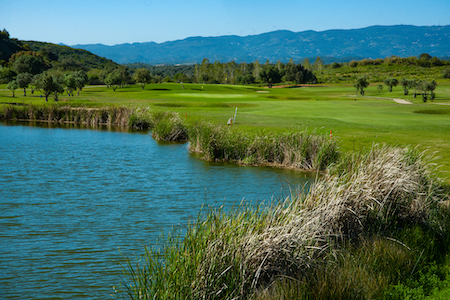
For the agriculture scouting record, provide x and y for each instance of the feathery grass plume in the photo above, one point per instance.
(387, 189)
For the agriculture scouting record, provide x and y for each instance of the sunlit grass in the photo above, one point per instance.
(374, 222)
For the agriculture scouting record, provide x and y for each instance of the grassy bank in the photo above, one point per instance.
(356, 122)
(373, 225)
(297, 149)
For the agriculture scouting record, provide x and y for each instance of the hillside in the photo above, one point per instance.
(68, 57)
(370, 42)
(56, 56)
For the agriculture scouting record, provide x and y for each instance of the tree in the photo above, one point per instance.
(142, 76)
(35, 82)
(307, 64)
(49, 84)
(256, 69)
(28, 64)
(23, 80)
(425, 87)
(294, 73)
(269, 75)
(180, 77)
(70, 83)
(446, 73)
(81, 79)
(379, 88)
(391, 82)
(113, 80)
(246, 79)
(12, 86)
(7, 74)
(360, 85)
(318, 64)
(405, 84)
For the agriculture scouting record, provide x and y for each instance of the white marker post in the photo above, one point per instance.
(235, 112)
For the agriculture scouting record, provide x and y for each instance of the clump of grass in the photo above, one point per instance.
(374, 220)
(168, 126)
(293, 149)
(141, 118)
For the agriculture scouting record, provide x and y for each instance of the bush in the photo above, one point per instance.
(446, 73)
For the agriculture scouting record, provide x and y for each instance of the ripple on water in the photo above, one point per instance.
(71, 198)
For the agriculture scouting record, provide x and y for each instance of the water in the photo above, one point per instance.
(72, 200)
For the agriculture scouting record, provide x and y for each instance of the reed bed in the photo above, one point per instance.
(111, 115)
(168, 126)
(373, 220)
(298, 149)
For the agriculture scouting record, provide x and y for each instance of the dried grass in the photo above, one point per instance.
(300, 248)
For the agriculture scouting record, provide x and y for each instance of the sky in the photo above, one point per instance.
(112, 22)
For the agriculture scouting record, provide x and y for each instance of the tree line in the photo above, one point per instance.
(422, 87)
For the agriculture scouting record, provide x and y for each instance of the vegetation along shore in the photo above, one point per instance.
(374, 226)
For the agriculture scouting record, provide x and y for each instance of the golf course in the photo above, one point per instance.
(355, 122)
(374, 225)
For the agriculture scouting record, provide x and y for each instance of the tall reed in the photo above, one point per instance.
(168, 126)
(56, 113)
(298, 149)
(374, 219)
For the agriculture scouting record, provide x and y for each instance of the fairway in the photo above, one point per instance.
(356, 122)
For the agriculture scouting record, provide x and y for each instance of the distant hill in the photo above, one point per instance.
(56, 56)
(333, 45)
(68, 57)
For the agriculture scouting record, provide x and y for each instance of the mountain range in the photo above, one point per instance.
(335, 45)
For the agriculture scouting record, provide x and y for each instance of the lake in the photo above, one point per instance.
(73, 199)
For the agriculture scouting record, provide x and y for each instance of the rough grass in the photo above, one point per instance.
(375, 220)
(298, 149)
(55, 113)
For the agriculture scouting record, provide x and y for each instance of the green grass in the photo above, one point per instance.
(356, 122)
(394, 260)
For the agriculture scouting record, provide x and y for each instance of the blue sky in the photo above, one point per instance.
(115, 22)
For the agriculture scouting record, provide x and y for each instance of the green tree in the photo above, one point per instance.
(269, 75)
(406, 85)
(81, 79)
(391, 82)
(124, 75)
(113, 80)
(28, 64)
(427, 89)
(12, 86)
(23, 80)
(142, 76)
(256, 69)
(379, 88)
(7, 74)
(307, 64)
(361, 84)
(294, 72)
(446, 73)
(318, 64)
(49, 84)
(70, 83)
